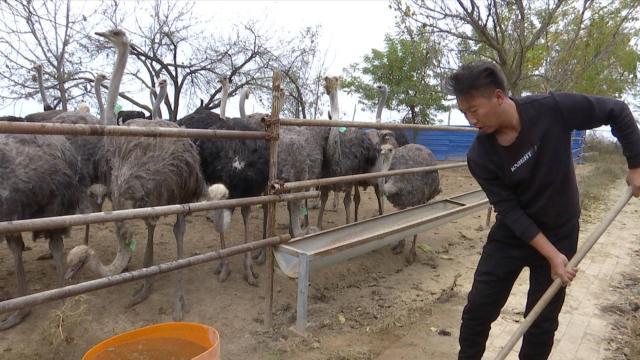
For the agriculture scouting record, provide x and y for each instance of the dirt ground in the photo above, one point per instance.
(358, 309)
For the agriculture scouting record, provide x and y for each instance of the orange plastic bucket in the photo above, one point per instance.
(173, 340)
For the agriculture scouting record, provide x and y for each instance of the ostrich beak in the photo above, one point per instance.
(72, 270)
(102, 34)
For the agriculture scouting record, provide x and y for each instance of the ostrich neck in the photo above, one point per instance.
(114, 87)
(381, 101)
(223, 101)
(45, 103)
(155, 112)
(244, 95)
(335, 108)
(117, 265)
(98, 88)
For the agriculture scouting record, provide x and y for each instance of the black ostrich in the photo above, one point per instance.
(404, 191)
(242, 166)
(38, 178)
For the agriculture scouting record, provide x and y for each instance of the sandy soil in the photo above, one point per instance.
(358, 309)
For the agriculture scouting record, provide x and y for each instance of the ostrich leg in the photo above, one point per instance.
(16, 245)
(294, 218)
(376, 188)
(398, 248)
(411, 255)
(222, 270)
(356, 202)
(56, 248)
(143, 292)
(261, 255)
(334, 204)
(324, 195)
(86, 234)
(347, 205)
(249, 274)
(178, 232)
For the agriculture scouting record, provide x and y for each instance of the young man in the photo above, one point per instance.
(522, 159)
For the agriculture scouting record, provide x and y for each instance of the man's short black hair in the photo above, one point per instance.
(476, 78)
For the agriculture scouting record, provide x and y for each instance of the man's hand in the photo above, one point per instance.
(633, 180)
(558, 263)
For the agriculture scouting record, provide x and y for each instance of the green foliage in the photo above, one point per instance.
(541, 45)
(407, 68)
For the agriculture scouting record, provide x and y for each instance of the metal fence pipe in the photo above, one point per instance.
(9, 127)
(109, 216)
(371, 125)
(98, 284)
(296, 185)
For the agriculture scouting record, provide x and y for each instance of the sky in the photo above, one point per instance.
(349, 30)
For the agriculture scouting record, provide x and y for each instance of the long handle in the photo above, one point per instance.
(557, 283)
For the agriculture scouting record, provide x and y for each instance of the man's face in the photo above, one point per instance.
(481, 110)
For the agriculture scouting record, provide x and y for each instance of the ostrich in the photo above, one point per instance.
(404, 191)
(48, 113)
(126, 115)
(202, 118)
(12, 118)
(348, 152)
(301, 153)
(384, 140)
(37, 179)
(241, 165)
(147, 172)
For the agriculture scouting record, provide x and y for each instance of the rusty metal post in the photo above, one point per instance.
(273, 128)
(488, 222)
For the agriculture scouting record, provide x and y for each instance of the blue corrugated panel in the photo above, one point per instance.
(454, 145)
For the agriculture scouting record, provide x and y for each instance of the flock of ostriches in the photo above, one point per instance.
(52, 175)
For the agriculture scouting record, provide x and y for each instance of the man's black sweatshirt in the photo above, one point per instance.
(531, 183)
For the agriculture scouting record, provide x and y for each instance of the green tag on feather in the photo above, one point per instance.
(342, 129)
(132, 245)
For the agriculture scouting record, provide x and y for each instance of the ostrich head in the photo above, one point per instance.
(218, 192)
(38, 68)
(97, 193)
(76, 259)
(331, 84)
(83, 108)
(100, 78)
(117, 36)
(388, 137)
(387, 150)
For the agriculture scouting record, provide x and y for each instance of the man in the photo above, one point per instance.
(522, 159)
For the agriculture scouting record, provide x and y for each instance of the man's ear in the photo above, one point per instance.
(500, 96)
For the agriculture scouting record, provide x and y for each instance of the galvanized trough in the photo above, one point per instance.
(299, 256)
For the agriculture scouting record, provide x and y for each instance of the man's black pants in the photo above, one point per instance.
(501, 262)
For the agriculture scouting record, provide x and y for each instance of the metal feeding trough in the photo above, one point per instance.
(301, 255)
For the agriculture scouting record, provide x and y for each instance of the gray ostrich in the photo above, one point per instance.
(385, 142)
(147, 172)
(348, 152)
(37, 179)
(300, 157)
(48, 113)
(404, 191)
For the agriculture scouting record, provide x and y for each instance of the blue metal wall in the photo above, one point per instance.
(453, 145)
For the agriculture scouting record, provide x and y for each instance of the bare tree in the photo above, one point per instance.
(46, 33)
